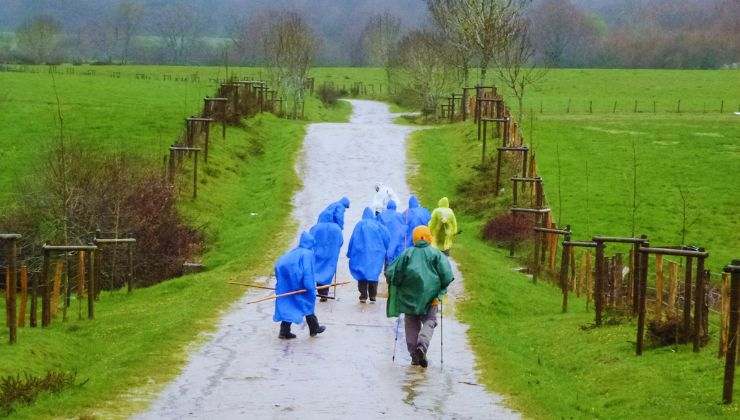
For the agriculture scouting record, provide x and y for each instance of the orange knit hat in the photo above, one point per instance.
(422, 233)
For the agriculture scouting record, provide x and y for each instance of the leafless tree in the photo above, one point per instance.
(515, 66)
(379, 37)
(559, 26)
(244, 30)
(443, 18)
(128, 19)
(420, 68)
(289, 47)
(37, 38)
(180, 27)
(480, 27)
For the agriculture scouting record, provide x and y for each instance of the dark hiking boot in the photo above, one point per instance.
(323, 299)
(414, 359)
(421, 357)
(363, 300)
(372, 299)
(285, 333)
(318, 331)
(314, 328)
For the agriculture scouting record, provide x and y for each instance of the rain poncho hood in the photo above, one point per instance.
(417, 277)
(367, 248)
(414, 216)
(295, 271)
(382, 197)
(336, 211)
(329, 240)
(443, 225)
(393, 221)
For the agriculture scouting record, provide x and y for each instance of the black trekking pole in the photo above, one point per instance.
(441, 335)
(395, 343)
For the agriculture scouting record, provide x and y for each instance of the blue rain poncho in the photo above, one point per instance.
(393, 221)
(414, 216)
(336, 211)
(295, 271)
(329, 240)
(368, 247)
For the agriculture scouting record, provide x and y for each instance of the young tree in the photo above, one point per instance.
(420, 68)
(127, 21)
(443, 18)
(515, 66)
(379, 37)
(289, 47)
(37, 38)
(181, 27)
(484, 27)
(558, 26)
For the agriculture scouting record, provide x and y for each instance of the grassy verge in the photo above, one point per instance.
(543, 360)
(139, 341)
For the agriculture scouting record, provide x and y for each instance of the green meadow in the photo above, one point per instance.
(543, 360)
(139, 341)
(549, 364)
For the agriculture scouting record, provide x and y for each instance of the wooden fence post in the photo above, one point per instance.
(699, 303)
(564, 260)
(659, 286)
(56, 287)
(644, 260)
(24, 296)
(732, 349)
(598, 286)
(81, 281)
(672, 286)
(724, 315)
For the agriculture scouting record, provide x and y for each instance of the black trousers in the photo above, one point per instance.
(367, 289)
(311, 320)
(323, 292)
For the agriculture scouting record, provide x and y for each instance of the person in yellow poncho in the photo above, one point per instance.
(443, 226)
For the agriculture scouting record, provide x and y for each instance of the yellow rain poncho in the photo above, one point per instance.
(443, 225)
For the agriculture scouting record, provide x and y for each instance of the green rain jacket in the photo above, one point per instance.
(415, 278)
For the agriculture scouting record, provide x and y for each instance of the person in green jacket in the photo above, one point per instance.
(443, 226)
(417, 280)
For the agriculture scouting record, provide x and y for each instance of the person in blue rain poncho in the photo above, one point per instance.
(367, 251)
(393, 221)
(295, 271)
(414, 216)
(336, 211)
(329, 240)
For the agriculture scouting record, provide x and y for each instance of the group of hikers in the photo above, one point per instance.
(410, 248)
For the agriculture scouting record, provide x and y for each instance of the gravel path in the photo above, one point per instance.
(245, 371)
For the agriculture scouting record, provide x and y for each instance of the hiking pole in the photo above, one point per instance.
(252, 285)
(441, 335)
(395, 343)
(295, 292)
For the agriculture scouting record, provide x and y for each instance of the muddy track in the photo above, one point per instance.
(244, 371)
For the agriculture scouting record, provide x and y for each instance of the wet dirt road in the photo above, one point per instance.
(245, 371)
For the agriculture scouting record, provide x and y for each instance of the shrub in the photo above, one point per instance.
(115, 194)
(25, 389)
(328, 95)
(507, 228)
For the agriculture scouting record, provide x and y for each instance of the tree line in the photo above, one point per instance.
(564, 33)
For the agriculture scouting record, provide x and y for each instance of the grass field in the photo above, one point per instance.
(105, 114)
(540, 358)
(139, 341)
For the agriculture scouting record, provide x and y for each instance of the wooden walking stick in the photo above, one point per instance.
(294, 292)
(251, 285)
